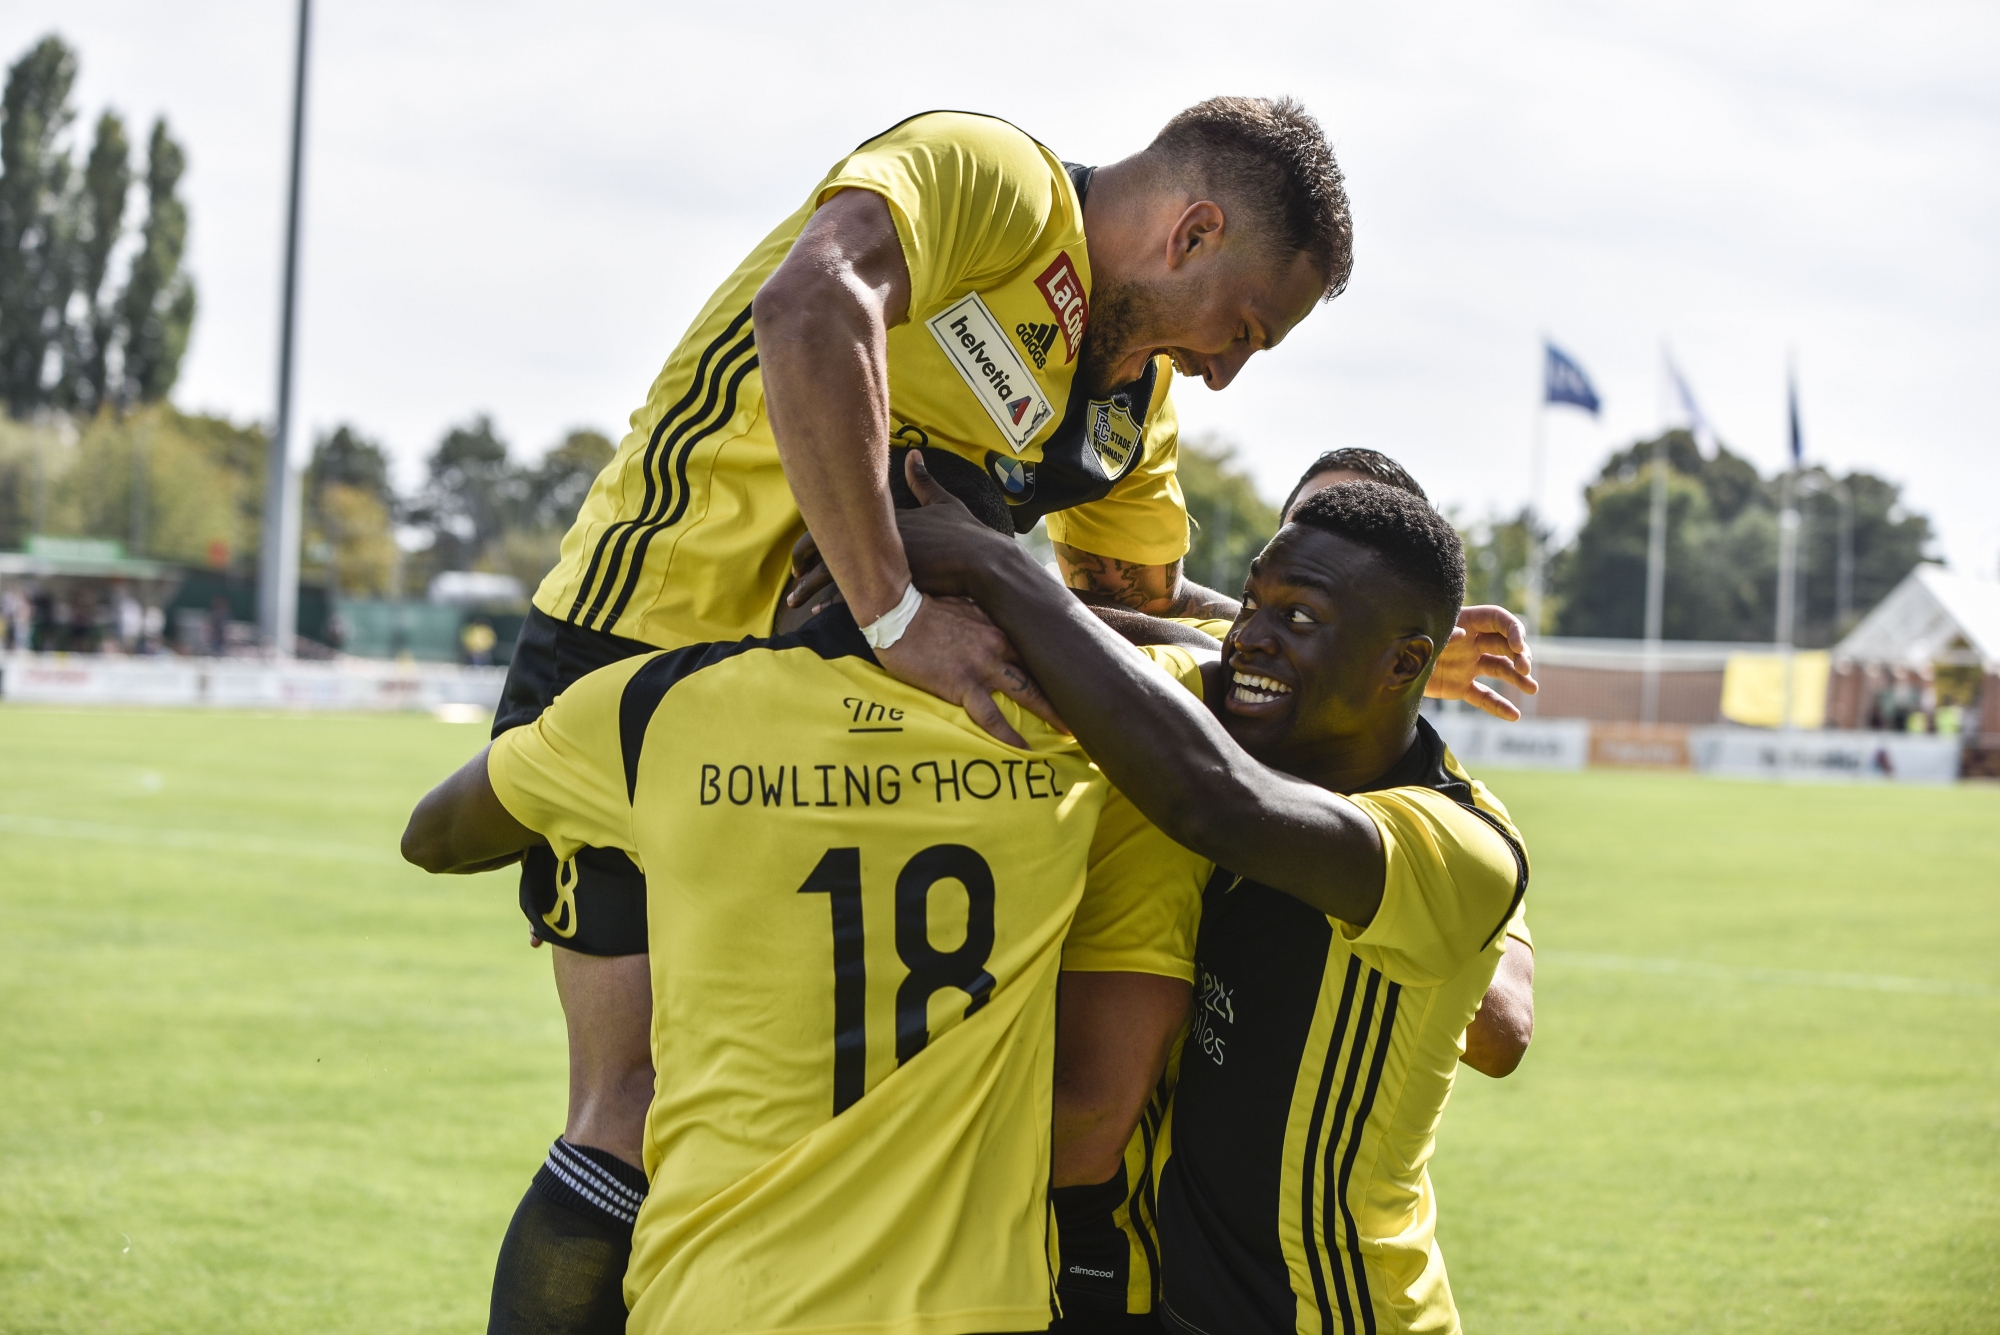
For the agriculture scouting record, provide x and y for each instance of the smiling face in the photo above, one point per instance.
(1329, 654)
(1209, 302)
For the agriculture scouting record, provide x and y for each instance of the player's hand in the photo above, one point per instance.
(1487, 642)
(810, 577)
(955, 653)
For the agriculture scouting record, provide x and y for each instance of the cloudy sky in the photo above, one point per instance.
(516, 208)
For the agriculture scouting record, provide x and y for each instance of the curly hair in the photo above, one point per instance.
(1371, 464)
(1270, 155)
(1418, 544)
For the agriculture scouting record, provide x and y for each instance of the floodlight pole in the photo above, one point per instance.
(278, 563)
(1656, 566)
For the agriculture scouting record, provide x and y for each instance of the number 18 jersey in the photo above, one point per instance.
(858, 902)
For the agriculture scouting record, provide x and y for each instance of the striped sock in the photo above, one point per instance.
(592, 1182)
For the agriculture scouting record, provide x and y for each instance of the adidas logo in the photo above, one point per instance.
(1037, 339)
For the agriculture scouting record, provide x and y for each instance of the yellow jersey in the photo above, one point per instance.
(1453, 855)
(858, 903)
(1297, 1194)
(684, 536)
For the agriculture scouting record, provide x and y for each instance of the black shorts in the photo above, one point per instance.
(594, 904)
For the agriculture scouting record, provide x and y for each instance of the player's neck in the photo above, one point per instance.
(1119, 217)
(1344, 762)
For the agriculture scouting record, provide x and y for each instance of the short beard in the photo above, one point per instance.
(1123, 316)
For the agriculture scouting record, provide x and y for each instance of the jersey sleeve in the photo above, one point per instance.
(1213, 627)
(1178, 662)
(1143, 519)
(1517, 926)
(1141, 902)
(971, 197)
(1449, 890)
(563, 776)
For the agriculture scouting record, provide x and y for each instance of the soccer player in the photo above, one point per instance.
(859, 904)
(1124, 1012)
(1364, 883)
(951, 283)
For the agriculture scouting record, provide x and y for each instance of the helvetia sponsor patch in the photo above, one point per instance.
(992, 370)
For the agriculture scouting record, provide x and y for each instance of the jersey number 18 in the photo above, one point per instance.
(838, 876)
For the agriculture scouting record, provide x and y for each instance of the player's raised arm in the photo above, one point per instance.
(1163, 749)
(823, 321)
(460, 825)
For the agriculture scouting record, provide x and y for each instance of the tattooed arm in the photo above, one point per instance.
(1161, 591)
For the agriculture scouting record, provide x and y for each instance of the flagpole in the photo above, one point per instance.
(1537, 469)
(1656, 576)
(1788, 554)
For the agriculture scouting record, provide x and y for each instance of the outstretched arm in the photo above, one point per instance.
(822, 321)
(1153, 740)
(460, 825)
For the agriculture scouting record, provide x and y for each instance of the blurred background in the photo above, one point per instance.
(1633, 285)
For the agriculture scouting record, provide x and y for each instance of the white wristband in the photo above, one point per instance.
(888, 628)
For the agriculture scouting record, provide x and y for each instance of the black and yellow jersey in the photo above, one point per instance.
(684, 536)
(1111, 1249)
(858, 903)
(1296, 1194)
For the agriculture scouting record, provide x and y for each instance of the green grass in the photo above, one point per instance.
(251, 1089)
(259, 1076)
(1747, 1144)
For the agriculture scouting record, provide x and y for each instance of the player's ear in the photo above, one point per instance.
(1410, 660)
(1196, 232)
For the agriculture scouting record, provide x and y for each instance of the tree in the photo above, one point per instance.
(472, 495)
(350, 508)
(36, 271)
(1496, 562)
(58, 234)
(1229, 521)
(347, 458)
(1722, 548)
(559, 483)
(156, 311)
(107, 181)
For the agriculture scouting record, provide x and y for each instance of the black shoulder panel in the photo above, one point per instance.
(831, 634)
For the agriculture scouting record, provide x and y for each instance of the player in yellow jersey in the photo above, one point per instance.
(950, 283)
(859, 906)
(1121, 1008)
(1357, 927)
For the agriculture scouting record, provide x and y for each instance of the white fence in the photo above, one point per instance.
(1883, 757)
(230, 683)
(1479, 740)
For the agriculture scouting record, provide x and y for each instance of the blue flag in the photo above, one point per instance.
(1798, 442)
(1565, 382)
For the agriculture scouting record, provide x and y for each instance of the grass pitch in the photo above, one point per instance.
(260, 1076)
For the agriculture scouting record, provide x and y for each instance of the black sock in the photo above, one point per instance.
(562, 1265)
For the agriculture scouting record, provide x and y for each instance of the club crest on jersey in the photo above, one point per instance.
(1115, 437)
(1063, 290)
(1037, 339)
(1015, 477)
(992, 370)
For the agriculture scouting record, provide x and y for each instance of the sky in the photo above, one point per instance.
(517, 208)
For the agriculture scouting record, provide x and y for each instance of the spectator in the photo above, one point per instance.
(478, 640)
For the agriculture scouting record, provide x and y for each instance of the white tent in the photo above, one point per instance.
(1933, 616)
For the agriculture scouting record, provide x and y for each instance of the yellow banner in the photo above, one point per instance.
(1753, 689)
